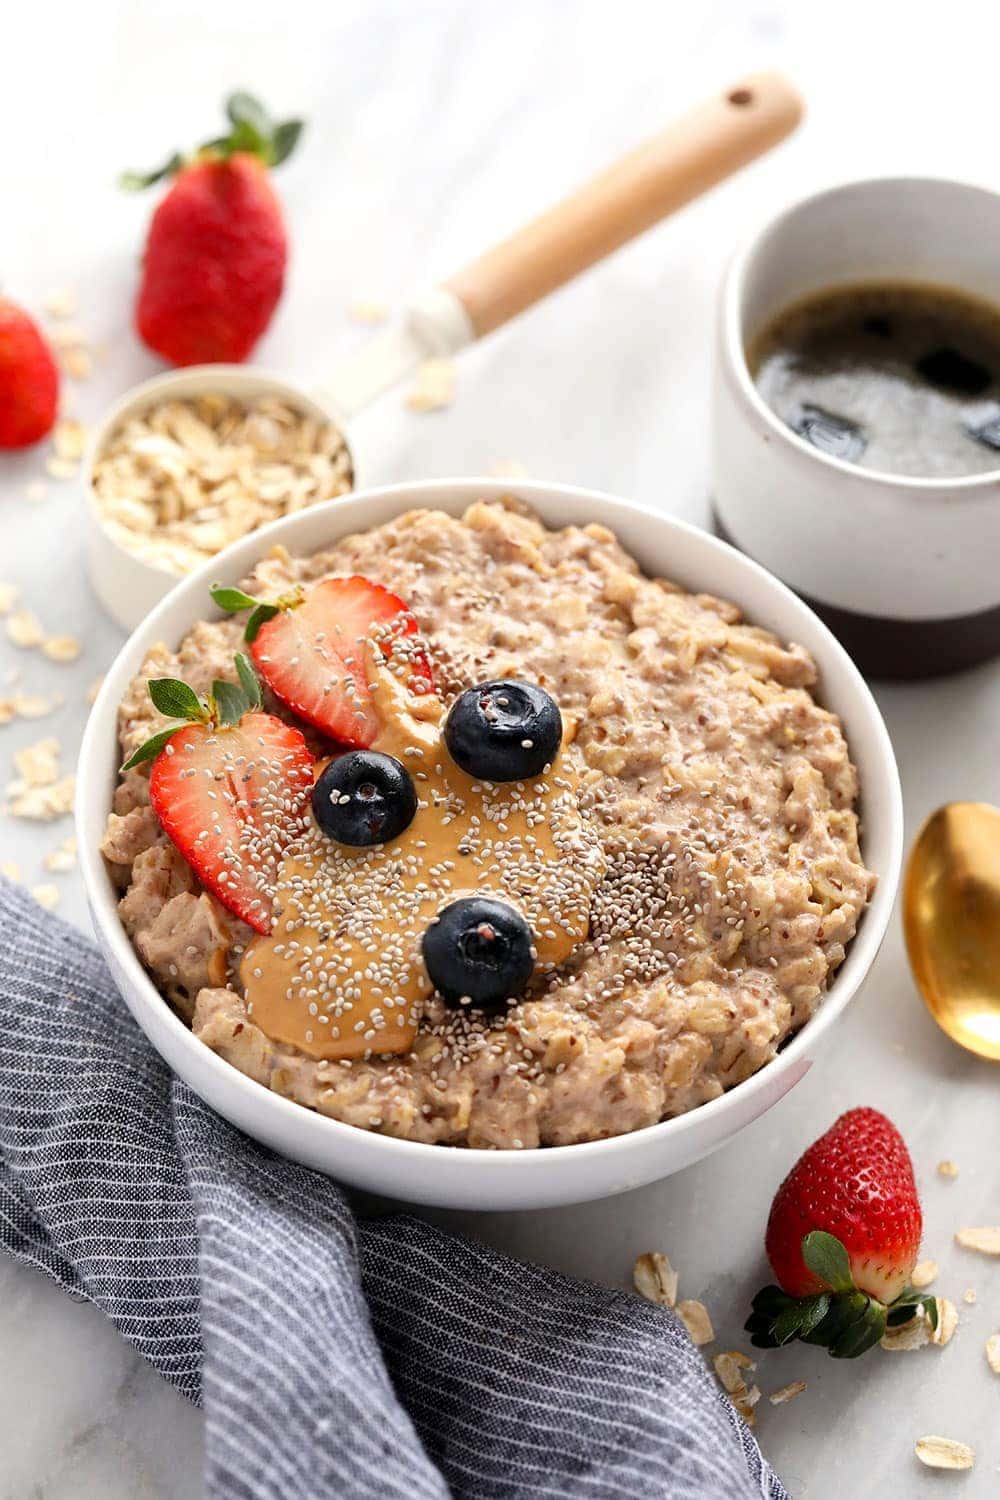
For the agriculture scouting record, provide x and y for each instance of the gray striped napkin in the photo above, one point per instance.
(332, 1358)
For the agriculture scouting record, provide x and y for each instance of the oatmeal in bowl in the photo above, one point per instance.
(448, 823)
(683, 856)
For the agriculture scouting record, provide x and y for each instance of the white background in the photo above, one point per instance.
(433, 129)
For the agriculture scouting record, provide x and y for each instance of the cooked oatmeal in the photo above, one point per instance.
(721, 795)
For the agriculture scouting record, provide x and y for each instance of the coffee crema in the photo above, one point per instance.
(901, 377)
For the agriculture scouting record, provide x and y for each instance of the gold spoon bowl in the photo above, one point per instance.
(951, 918)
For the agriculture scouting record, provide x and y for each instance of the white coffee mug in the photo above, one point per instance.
(905, 570)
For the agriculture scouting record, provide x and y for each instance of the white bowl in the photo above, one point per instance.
(440, 1175)
(127, 585)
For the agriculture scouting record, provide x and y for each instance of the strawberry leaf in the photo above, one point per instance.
(153, 746)
(230, 702)
(250, 681)
(827, 1259)
(243, 109)
(284, 140)
(260, 616)
(864, 1332)
(232, 600)
(176, 699)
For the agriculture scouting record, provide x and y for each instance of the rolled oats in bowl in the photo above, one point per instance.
(180, 481)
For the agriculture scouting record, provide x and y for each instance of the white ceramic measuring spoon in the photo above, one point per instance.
(685, 159)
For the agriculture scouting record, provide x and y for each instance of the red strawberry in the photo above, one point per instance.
(230, 785)
(216, 252)
(310, 651)
(842, 1239)
(29, 380)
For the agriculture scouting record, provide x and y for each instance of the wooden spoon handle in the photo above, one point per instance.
(691, 155)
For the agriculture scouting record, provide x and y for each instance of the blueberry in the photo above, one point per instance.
(503, 731)
(478, 951)
(364, 798)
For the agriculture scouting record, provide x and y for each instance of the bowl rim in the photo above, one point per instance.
(93, 777)
(921, 488)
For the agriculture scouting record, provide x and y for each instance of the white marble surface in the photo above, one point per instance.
(434, 127)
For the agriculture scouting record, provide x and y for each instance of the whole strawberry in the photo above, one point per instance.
(216, 252)
(842, 1238)
(29, 380)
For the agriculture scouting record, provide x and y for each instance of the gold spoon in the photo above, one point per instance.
(951, 917)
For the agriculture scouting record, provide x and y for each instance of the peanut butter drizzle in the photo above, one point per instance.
(341, 974)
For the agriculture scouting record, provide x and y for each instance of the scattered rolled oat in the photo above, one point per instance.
(34, 706)
(924, 1273)
(947, 1322)
(787, 1393)
(944, 1453)
(11, 869)
(61, 302)
(68, 336)
(61, 468)
(179, 483)
(94, 689)
(8, 594)
(947, 1169)
(69, 438)
(36, 491)
(62, 859)
(38, 765)
(729, 1367)
(368, 310)
(41, 803)
(655, 1278)
(77, 363)
(969, 1295)
(24, 628)
(46, 895)
(745, 1404)
(985, 1239)
(508, 468)
(435, 385)
(915, 1334)
(61, 648)
(993, 1352)
(694, 1315)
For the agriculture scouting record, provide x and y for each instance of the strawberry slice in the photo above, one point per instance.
(312, 655)
(232, 799)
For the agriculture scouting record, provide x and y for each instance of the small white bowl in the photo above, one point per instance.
(903, 569)
(441, 1175)
(127, 586)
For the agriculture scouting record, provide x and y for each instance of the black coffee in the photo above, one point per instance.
(895, 376)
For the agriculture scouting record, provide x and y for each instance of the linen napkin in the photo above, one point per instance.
(332, 1357)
